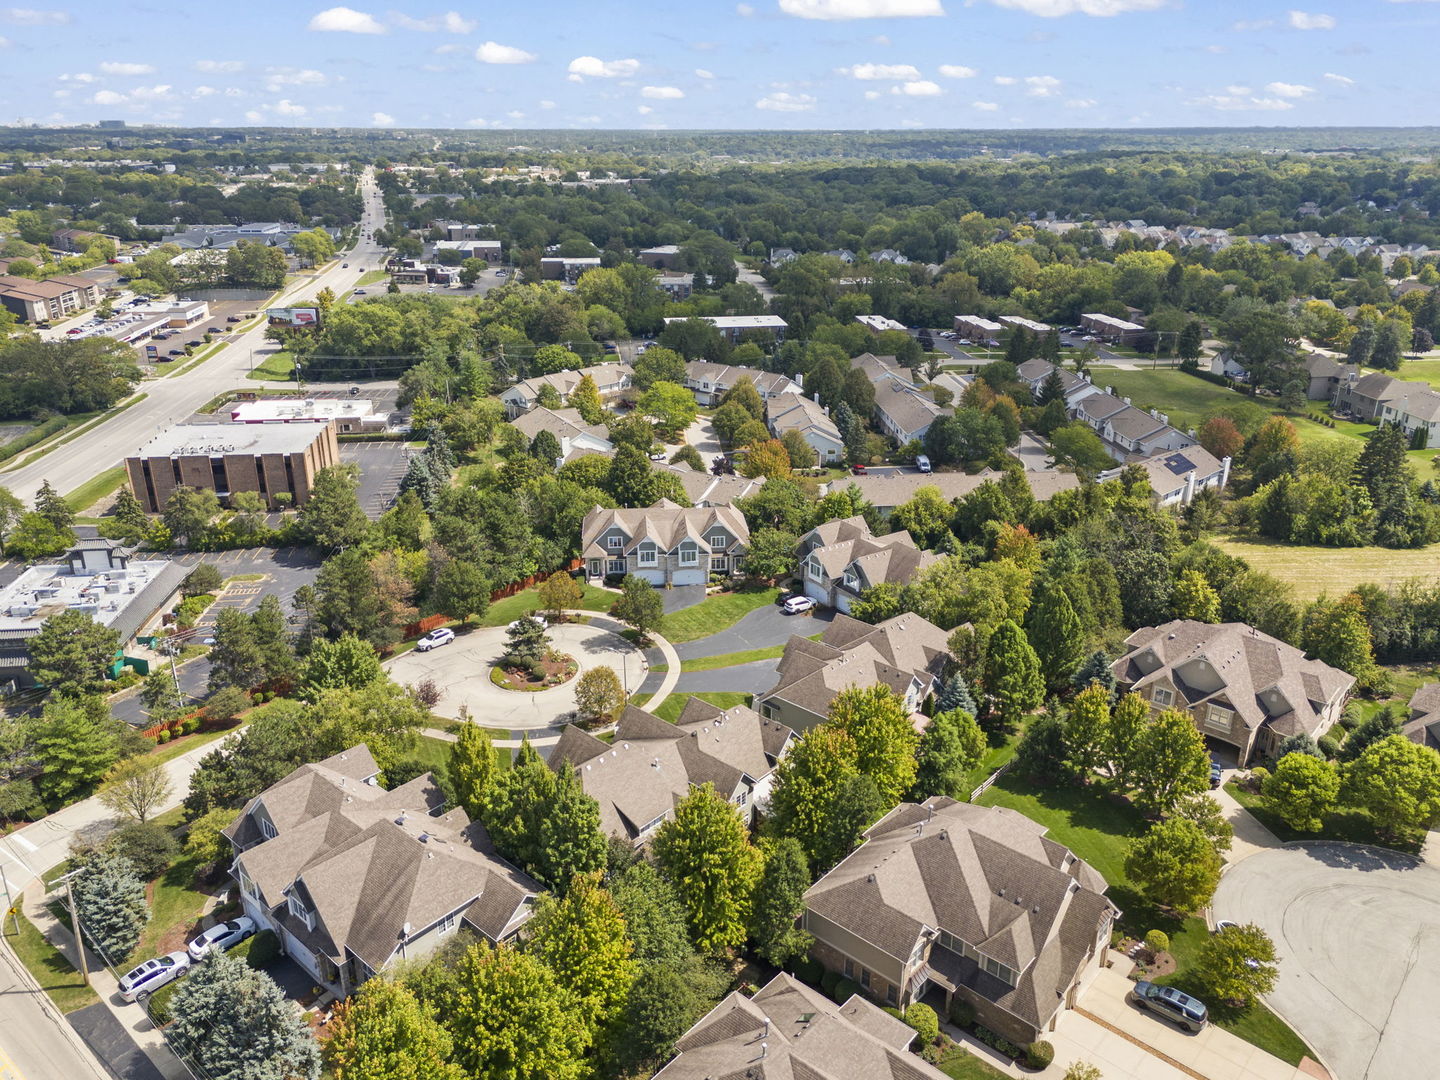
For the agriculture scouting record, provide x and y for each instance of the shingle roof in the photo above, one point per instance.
(1097, 407)
(796, 412)
(1169, 468)
(1378, 387)
(907, 411)
(562, 423)
(894, 558)
(886, 491)
(722, 377)
(1424, 711)
(663, 523)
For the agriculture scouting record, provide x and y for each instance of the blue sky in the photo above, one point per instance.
(718, 64)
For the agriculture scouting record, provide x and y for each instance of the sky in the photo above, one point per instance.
(685, 64)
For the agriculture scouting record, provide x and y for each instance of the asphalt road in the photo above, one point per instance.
(758, 630)
(105, 1035)
(35, 1044)
(170, 400)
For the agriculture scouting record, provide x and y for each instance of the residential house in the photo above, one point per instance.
(796, 412)
(353, 879)
(958, 902)
(733, 327)
(665, 544)
(77, 240)
(704, 488)
(1176, 477)
(640, 776)
(1417, 409)
(1128, 432)
(883, 372)
(1034, 372)
(574, 435)
(675, 284)
(1242, 688)
(841, 559)
(889, 255)
(1225, 363)
(1423, 726)
(610, 379)
(790, 1031)
(1325, 376)
(1366, 396)
(906, 653)
(845, 255)
(885, 491)
(1015, 322)
(905, 415)
(782, 255)
(710, 382)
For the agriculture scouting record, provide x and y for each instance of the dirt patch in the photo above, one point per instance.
(547, 674)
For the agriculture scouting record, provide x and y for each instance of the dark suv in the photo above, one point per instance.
(1179, 1008)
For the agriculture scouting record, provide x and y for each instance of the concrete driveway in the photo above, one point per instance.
(701, 435)
(1357, 930)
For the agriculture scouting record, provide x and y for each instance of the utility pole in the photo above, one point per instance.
(10, 901)
(75, 926)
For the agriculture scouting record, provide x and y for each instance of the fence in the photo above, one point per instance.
(1001, 771)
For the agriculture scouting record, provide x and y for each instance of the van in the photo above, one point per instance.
(922, 463)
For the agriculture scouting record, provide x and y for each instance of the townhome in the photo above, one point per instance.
(1325, 376)
(1243, 689)
(704, 488)
(904, 415)
(1111, 328)
(906, 653)
(640, 776)
(790, 1031)
(353, 879)
(610, 379)
(883, 372)
(733, 327)
(796, 412)
(885, 491)
(949, 901)
(1129, 432)
(1016, 322)
(1034, 372)
(663, 257)
(571, 431)
(841, 559)
(1418, 409)
(1365, 396)
(665, 544)
(877, 324)
(977, 328)
(53, 298)
(1423, 726)
(710, 382)
(1176, 477)
(568, 270)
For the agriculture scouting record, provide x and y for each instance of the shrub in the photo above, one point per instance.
(933, 1054)
(845, 989)
(828, 982)
(962, 1013)
(162, 736)
(158, 1004)
(149, 847)
(1157, 941)
(922, 1018)
(1329, 746)
(808, 970)
(190, 725)
(259, 951)
(998, 1043)
(1039, 1055)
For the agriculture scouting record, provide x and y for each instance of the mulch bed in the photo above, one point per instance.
(560, 670)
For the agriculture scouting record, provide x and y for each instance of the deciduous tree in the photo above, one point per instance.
(1193, 598)
(639, 606)
(1238, 965)
(779, 902)
(581, 938)
(76, 741)
(543, 820)
(136, 788)
(384, 1033)
(951, 746)
(1055, 633)
(598, 694)
(1170, 761)
(472, 767)
(72, 653)
(1013, 682)
(706, 854)
(1174, 865)
(1301, 790)
(1398, 781)
(332, 516)
(885, 741)
(347, 663)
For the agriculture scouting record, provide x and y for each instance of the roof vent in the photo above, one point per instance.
(424, 837)
(406, 930)
(1002, 892)
(655, 763)
(1035, 910)
(626, 745)
(401, 819)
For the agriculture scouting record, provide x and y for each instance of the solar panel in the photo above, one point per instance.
(1179, 464)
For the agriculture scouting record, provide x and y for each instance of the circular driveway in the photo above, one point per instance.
(1357, 930)
(461, 671)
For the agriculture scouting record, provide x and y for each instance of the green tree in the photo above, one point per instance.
(779, 902)
(585, 398)
(237, 1024)
(1087, 730)
(560, 593)
(1193, 598)
(189, 512)
(1170, 761)
(35, 537)
(806, 802)
(110, 901)
(660, 1007)
(955, 694)
(1336, 632)
(543, 820)
(876, 720)
(272, 634)
(332, 516)
(802, 455)
(385, 717)
(670, 405)
(639, 606)
(1191, 338)
(1398, 782)
(471, 767)
(51, 505)
(384, 1033)
(708, 857)
(1055, 633)
(1128, 722)
(951, 746)
(1080, 448)
(744, 394)
(629, 480)
(1380, 724)
(72, 653)
(658, 364)
(347, 663)
(136, 788)
(1095, 669)
(461, 590)
(205, 578)
(598, 694)
(236, 658)
(12, 510)
(206, 842)
(545, 448)
(1238, 965)
(1301, 790)
(525, 641)
(654, 917)
(159, 695)
(581, 938)
(1174, 865)
(926, 517)
(771, 555)
(1013, 682)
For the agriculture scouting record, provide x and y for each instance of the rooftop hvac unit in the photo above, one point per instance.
(20, 611)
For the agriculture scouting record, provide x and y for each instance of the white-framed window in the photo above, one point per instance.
(742, 798)
(247, 886)
(689, 556)
(851, 581)
(719, 564)
(614, 543)
(999, 970)
(448, 923)
(300, 911)
(617, 566)
(1218, 718)
(647, 556)
(767, 710)
(891, 997)
(267, 827)
(813, 570)
(1162, 697)
(719, 541)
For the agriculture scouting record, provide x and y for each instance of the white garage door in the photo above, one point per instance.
(655, 577)
(689, 577)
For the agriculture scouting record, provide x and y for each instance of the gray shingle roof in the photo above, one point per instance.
(664, 523)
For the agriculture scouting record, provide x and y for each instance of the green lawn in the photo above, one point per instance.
(175, 905)
(1344, 823)
(511, 608)
(1188, 401)
(49, 967)
(436, 752)
(714, 614)
(1333, 570)
(994, 757)
(1421, 370)
(276, 367)
(746, 656)
(724, 699)
(961, 1064)
(371, 277)
(95, 489)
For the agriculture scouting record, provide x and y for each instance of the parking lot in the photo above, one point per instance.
(382, 467)
(170, 343)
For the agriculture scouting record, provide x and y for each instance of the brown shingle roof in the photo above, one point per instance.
(664, 523)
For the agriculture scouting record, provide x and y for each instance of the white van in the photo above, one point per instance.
(922, 463)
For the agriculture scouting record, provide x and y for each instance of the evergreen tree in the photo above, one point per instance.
(1192, 335)
(1052, 388)
(545, 448)
(1095, 669)
(236, 658)
(1013, 682)
(629, 480)
(419, 480)
(1389, 346)
(51, 505)
(543, 820)
(525, 641)
(955, 694)
(1379, 725)
(76, 742)
(72, 653)
(332, 516)
(585, 399)
(1055, 633)
(1362, 344)
(130, 515)
(110, 900)
(1043, 755)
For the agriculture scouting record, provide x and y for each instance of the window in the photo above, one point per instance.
(300, 911)
(865, 978)
(647, 556)
(1162, 697)
(719, 541)
(851, 581)
(614, 543)
(248, 887)
(617, 566)
(267, 827)
(719, 564)
(448, 923)
(1218, 718)
(766, 711)
(891, 998)
(743, 797)
(813, 571)
(999, 970)
(849, 968)
(689, 556)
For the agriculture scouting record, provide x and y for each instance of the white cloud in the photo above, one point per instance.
(871, 95)
(662, 93)
(204, 91)
(4, 42)
(881, 39)
(234, 91)
(34, 17)
(1081, 103)
(254, 115)
(547, 104)
(494, 53)
(595, 68)
(1304, 20)
(219, 65)
(452, 22)
(381, 119)
(1245, 25)
(80, 77)
(702, 73)
(119, 67)
(1005, 80)
(957, 71)
(783, 101)
(984, 106)
(898, 72)
(108, 97)
(917, 88)
(1345, 80)
(744, 10)
(1216, 49)
(1288, 90)
(1237, 90)
(137, 95)
(477, 121)
(1042, 85)
(1052, 9)
(861, 9)
(278, 77)
(286, 107)
(1243, 102)
(515, 114)
(645, 110)
(344, 20)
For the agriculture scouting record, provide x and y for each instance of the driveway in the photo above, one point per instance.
(1032, 454)
(760, 629)
(112, 1044)
(1357, 930)
(681, 596)
(701, 435)
(753, 678)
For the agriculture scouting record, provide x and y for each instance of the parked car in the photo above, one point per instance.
(659, 455)
(344, 266)
(177, 352)
(359, 292)
(1217, 775)
(73, 330)
(797, 604)
(922, 463)
(195, 344)
(858, 470)
(140, 982)
(221, 937)
(433, 640)
(1175, 1006)
(236, 318)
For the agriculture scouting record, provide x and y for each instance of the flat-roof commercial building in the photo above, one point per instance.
(271, 459)
(489, 250)
(1015, 322)
(973, 326)
(350, 415)
(664, 257)
(53, 298)
(567, 270)
(878, 323)
(1110, 328)
(732, 326)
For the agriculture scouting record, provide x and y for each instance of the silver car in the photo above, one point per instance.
(1175, 1006)
(140, 982)
(221, 937)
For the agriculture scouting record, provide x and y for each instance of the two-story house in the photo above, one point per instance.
(352, 878)
(571, 431)
(710, 382)
(610, 379)
(906, 653)
(840, 559)
(665, 544)
(1365, 396)
(1177, 477)
(1242, 688)
(796, 412)
(640, 776)
(905, 415)
(956, 901)
(1034, 372)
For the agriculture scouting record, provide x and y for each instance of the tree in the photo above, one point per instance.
(1080, 448)
(1221, 437)
(658, 364)
(206, 842)
(384, 1033)
(471, 767)
(1192, 335)
(585, 399)
(581, 938)
(771, 555)
(189, 512)
(802, 454)
(347, 663)
(629, 479)
(926, 517)
(1193, 598)
(110, 901)
(205, 578)
(955, 694)
(1390, 342)
(744, 394)
(1238, 965)
(1380, 724)
(51, 505)
(1174, 865)
(543, 820)
(654, 917)
(1208, 815)
(765, 457)
(135, 788)
(779, 902)
(875, 719)
(1055, 633)
(599, 695)
(1398, 781)
(1013, 682)
(236, 658)
(272, 635)
(559, 593)
(72, 653)
(661, 1006)
(705, 853)
(1301, 790)
(1087, 730)
(639, 606)
(810, 802)
(12, 510)
(1042, 754)
(510, 1017)
(1129, 720)
(1336, 632)
(1170, 761)
(688, 455)
(670, 405)
(461, 590)
(951, 746)
(545, 448)
(332, 516)
(1095, 669)
(1082, 1070)
(525, 641)
(35, 537)
(237, 1024)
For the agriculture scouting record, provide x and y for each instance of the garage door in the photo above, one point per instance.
(816, 592)
(655, 577)
(689, 577)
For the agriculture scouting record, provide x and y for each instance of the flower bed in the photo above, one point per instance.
(545, 674)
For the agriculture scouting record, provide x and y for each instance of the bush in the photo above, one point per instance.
(190, 725)
(808, 970)
(162, 736)
(158, 1004)
(922, 1018)
(1329, 746)
(934, 1054)
(828, 982)
(1157, 941)
(845, 989)
(259, 951)
(962, 1013)
(998, 1043)
(1039, 1055)
(149, 847)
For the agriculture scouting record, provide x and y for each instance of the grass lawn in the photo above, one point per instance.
(961, 1064)
(724, 699)
(1313, 570)
(276, 367)
(746, 656)
(95, 489)
(1344, 823)
(511, 608)
(371, 277)
(183, 745)
(436, 752)
(714, 614)
(994, 757)
(1420, 370)
(1188, 401)
(175, 905)
(49, 967)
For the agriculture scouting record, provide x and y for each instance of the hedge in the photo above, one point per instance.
(38, 434)
(260, 950)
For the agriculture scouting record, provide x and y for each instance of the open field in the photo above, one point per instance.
(1313, 570)
(280, 365)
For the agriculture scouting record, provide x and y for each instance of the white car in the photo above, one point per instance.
(221, 937)
(796, 604)
(140, 982)
(537, 617)
(435, 639)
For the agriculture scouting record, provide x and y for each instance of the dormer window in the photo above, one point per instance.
(614, 543)
(719, 541)
(300, 911)
(1162, 697)
(267, 827)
